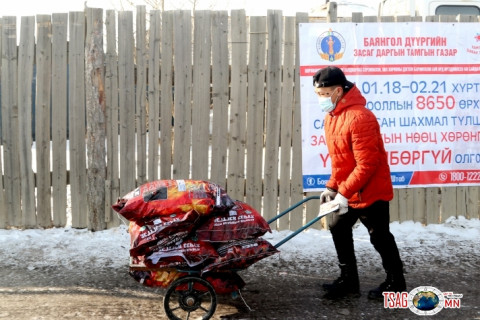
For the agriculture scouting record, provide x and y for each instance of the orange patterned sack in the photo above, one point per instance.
(166, 197)
(158, 278)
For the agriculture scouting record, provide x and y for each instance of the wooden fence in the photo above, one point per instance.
(204, 96)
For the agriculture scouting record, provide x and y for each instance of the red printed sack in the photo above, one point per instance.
(189, 253)
(166, 197)
(161, 231)
(241, 254)
(240, 222)
(225, 282)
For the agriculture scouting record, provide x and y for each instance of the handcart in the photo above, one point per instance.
(193, 297)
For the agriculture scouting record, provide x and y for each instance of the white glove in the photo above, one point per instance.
(342, 202)
(327, 196)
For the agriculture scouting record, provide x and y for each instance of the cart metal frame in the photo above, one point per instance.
(191, 291)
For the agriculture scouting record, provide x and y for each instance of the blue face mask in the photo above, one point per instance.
(326, 103)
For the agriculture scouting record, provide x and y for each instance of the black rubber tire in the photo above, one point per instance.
(190, 301)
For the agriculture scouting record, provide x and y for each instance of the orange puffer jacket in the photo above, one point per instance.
(360, 170)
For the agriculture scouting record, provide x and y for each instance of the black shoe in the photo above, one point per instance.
(346, 285)
(391, 284)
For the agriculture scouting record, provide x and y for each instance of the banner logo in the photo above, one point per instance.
(475, 48)
(330, 45)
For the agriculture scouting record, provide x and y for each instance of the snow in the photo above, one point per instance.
(74, 248)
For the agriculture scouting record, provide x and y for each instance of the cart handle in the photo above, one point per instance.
(313, 221)
(298, 231)
(292, 208)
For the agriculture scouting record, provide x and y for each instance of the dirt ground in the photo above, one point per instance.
(275, 289)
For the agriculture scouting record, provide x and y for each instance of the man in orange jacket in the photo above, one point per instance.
(360, 183)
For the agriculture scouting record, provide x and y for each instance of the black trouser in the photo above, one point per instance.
(376, 219)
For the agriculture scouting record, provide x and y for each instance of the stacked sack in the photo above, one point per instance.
(177, 226)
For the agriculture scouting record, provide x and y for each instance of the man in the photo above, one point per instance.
(360, 183)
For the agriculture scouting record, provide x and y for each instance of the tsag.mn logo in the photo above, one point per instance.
(423, 301)
(330, 45)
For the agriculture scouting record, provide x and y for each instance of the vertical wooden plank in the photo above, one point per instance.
(415, 204)
(59, 118)
(287, 109)
(182, 28)
(467, 197)
(432, 206)
(255, 111)
(461, 207)
(141, 59)
(166, 99)
(95, 104)
(112, 107)
(153, 93)
(370, 19)
(202, 58)
(468, 18)
(405, 204)
(108, 202)
(238, 106)
(448, 203)
(401, 206)
(357, 17)
(394, 206)
(432, 18)
(331, 12)
(76, 118)
(126, 86)
(26, 53)
(42, 119)
(447, 18)
(419, 203)
(220, 95)
(3, 212)
(11, 163)
(387, 19)
(473, 203)
(1, 37)
(273, 112)
(297, 215)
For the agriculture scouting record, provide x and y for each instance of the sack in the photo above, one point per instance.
(238, 255)
(225, 282)
(166, 197)
(188, 253)
(160, 278)
(161, 231)
(240, 222)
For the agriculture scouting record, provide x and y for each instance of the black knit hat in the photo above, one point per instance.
(329, 77)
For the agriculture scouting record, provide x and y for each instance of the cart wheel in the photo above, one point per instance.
(190, 298)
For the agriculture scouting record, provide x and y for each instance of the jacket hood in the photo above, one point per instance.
(351, 98)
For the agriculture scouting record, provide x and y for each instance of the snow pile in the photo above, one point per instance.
(73, 248)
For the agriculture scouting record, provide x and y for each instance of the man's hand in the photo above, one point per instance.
(327, 195)
(342, 202)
